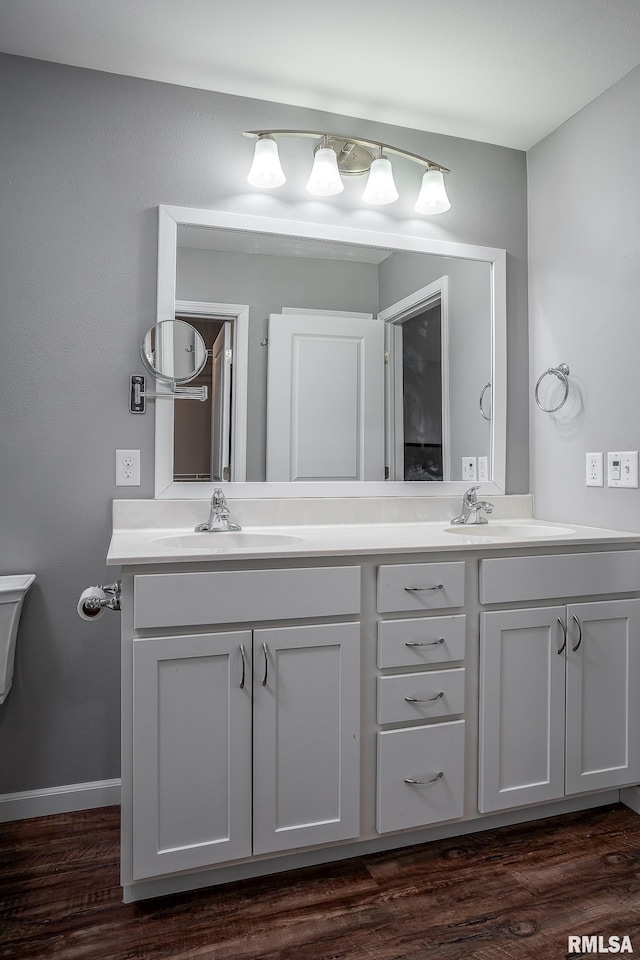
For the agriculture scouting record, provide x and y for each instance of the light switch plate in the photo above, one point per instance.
(469, 468)
(622, 469)
(594, 470)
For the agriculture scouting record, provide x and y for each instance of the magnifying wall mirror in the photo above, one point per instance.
(173, 351)
(351, 362)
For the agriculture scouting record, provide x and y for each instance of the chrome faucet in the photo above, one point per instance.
(218, 515)
(471, 508)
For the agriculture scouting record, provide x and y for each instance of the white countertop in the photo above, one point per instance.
(176, 542)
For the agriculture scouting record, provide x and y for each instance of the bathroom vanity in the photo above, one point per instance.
(301, 692)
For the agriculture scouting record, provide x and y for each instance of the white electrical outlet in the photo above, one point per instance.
(127, 468)
(469, 468)
(594, 470)
(483, 468)
(622, 469)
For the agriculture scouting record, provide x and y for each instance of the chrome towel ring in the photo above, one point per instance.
(562, 373)
(486, 387)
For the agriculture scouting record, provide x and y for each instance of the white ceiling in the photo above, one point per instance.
(501, 71)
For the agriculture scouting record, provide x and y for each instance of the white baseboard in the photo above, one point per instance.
(74, 796)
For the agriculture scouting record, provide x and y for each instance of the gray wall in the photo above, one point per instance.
(86, 159)
(584, 244)
(266, 284)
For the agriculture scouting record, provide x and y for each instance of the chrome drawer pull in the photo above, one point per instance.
(266, 664)
(424, 643)
(439, 586)
(438, 696)
(243, 654)
(435, 779)
(564, 633)
(579, 625)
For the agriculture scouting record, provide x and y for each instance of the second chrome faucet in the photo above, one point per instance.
(471, 508)
(219, 519)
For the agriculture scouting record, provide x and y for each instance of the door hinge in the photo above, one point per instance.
(228, 355)
(386, 473)
(226, 473)
(386, 356)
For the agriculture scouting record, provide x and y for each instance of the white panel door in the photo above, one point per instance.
(306, 735)
(191, 752)
(325, 398)
(603, 702)
(522, 700)
(221, 405)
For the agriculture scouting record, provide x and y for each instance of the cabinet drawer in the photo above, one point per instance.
(232, 596)
(560, 575)
(420, 696)
(420, 586)
(434, 754)
(416, 642)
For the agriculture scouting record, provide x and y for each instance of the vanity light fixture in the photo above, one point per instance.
(266, 170)
(381, 187)
(325, 179)
(337, 155)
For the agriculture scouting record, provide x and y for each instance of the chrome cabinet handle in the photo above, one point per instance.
(243, 654)
(266, 664)
(424, 643)
(438, 586)
(579, 625)
(564, 634)
(438, 696)
(435, 779)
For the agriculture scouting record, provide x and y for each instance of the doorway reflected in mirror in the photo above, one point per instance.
(201, 435)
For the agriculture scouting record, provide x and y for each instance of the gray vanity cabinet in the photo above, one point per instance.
(559, 711)
(244, 743)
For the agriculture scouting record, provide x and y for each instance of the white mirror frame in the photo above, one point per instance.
(171, 217)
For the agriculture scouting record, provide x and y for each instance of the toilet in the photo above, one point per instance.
(12, 593)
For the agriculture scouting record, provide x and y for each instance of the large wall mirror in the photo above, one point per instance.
(342, 362)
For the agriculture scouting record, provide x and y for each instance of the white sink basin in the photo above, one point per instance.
(509, 531)
(226, 540)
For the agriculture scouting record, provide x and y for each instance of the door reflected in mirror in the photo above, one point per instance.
(380, 377)
(202, 440)
(421, 428)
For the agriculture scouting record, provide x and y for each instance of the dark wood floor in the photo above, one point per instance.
(511, 894)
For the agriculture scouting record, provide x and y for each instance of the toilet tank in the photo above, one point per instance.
(12, 593)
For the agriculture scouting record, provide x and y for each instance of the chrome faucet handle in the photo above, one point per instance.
(218, 498)
(470, 496)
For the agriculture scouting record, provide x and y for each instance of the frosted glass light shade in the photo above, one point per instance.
(433, 195)
(381, 187)
(265, 169)
(325, 179)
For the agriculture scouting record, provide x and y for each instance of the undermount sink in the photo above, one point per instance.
(227, 540)
(508, 531)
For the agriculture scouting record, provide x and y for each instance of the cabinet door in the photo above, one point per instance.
(603, 706)
(191, 752)
(522, 678)
(306, 735)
